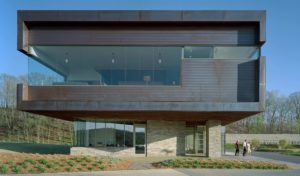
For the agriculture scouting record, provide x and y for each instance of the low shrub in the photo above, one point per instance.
(83, 164)
(50, 165)
(31, 161)
(255, 143)
(31, 170)
(207, 163)
(23, 164)
(43, 161)
(41, 169)
(70, 163)
(16, 169)
(283, 143)
(3, 169)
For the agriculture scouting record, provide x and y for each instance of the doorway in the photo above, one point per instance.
(195, 140)
(140, 139)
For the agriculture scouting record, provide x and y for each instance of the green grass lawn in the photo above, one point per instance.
(36, 148)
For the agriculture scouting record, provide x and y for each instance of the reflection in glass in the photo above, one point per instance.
(241, 52)
(105, 65)
(222, 52)
(103, 134)
(128, 134)
(119, 129)
(140, 139)
(100, 134)
(198, 52)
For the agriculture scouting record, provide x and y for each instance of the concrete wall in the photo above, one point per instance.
(213, 138)
(109, 151)
(165, 138)
(264, 138)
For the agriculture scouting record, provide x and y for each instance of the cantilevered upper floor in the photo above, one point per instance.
(170, 65)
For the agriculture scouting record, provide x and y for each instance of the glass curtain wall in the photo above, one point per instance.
(104, 133)
(121, 65)
(222, 52)
(105, 65)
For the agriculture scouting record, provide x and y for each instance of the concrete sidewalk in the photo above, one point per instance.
(256, 157)
(180, 172)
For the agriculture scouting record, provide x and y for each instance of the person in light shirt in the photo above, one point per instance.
(248, 148)
(245, 147)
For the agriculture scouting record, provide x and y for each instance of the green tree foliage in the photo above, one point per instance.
(255, 143)
(283, 143)
(282, 115)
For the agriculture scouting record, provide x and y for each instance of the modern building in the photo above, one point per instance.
(144, 83)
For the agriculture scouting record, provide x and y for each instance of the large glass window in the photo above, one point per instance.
(105, 65)
(100, 134)
(222, 52)
(121, 65)
(128, 134)
(241, 52)
(104, 133)
(198, 52)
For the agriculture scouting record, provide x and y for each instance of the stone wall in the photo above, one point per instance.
(213, 138)
(264, 138)
(108, 151)
(165, 138)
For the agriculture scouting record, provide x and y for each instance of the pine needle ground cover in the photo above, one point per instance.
(35, 163)
(217, 164)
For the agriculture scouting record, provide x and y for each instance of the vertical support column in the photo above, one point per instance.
(262, 82)
(213, 138)
(165, 138)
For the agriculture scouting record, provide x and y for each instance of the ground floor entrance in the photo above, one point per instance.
(195, 140)
(146, 138)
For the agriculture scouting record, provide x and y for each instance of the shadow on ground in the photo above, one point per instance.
(36, 148)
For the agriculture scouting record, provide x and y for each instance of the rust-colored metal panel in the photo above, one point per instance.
(225, 117)
(137, 36)
(70, 20)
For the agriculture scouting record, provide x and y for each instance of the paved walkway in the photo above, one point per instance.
(184, 172)
(257, 157)
(278, 156)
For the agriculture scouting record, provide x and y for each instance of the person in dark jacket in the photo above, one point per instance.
(244, 147)
(237, 148)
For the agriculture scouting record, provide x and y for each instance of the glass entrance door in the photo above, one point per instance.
(195, 140)
(140, 139)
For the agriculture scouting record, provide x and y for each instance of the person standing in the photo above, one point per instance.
(249, 148)
(237, 148)
(245, 147)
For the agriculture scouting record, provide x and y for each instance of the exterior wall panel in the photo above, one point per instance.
(160, 36)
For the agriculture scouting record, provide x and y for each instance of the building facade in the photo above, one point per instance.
(144, 83)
